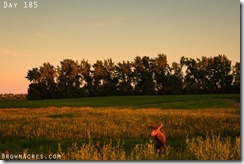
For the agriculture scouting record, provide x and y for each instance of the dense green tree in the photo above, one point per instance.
(236, 77)
(207, 75)
(49, 80)
(191, 77)
(175, 80)
(104, 78)
(34, 75)
(69, 80)
(98, 75)
(137, 67)
(161, 71)
(45, 79)
(124, 75)
(147, 76)
(34, 92)
(196, 79)
(111, 78)
(219, 74)
(143, 76)
(85, 78)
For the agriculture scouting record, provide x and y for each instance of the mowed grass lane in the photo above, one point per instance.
(162, 102)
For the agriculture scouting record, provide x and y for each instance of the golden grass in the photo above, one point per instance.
(191, 127)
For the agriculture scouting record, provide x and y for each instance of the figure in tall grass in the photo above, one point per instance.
(160, 138)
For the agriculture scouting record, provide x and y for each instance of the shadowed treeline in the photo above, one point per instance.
(143, 76)
(11, 96)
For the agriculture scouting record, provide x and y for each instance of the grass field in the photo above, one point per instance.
(199, 127)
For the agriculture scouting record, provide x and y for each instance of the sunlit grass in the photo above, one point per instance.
(121, 133)
(211, 147)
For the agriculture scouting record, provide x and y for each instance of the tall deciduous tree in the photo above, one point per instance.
(236, 77)
(175, 80)
(34, 75)
(207, 75)
(219, 74)
(124, 75)
(69, 80)
(86, 79)
(191, 82)
(111, 78)
(162, 73)
(98, 76)
(44, 84)
(143, 76)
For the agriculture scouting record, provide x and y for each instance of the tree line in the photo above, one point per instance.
(11, 96)
(142, 76)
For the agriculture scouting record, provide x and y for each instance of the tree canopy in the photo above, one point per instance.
(143, 76)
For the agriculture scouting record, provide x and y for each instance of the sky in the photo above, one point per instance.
(117, 29)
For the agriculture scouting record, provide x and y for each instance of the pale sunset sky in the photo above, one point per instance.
(117, 29)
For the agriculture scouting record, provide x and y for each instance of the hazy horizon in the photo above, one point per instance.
(117, 29)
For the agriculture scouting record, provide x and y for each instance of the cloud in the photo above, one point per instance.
(10, 52)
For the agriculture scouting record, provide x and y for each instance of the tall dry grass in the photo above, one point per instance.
(186, 130)
(210, 148)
